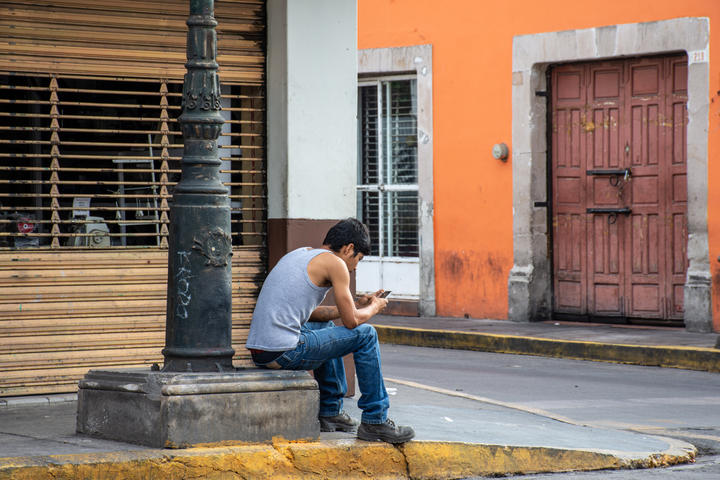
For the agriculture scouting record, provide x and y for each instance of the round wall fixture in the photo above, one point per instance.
(500, 151)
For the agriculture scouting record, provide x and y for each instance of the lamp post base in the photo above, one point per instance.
(180, 410)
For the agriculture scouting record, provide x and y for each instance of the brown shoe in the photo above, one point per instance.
(339, 423)
(385, 432)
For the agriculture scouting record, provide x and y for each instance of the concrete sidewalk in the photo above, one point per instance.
(457, 436)
(638, 345)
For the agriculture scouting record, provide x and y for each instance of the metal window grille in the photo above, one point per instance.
(388, 178)
(91, 161)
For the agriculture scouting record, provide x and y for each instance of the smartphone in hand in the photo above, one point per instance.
(385, 293)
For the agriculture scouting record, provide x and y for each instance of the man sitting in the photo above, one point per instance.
(290, 330)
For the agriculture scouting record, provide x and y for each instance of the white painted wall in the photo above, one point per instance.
(312, 108)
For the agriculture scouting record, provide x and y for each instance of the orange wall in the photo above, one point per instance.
(472, 110)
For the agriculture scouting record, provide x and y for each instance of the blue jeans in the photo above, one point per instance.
(321, 347)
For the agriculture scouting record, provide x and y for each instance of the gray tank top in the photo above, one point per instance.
(286, 300)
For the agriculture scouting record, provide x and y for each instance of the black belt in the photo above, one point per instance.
(262, 357)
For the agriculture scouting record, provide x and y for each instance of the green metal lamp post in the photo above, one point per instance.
(199, 299)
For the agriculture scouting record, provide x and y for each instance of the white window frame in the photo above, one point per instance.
(378, 81)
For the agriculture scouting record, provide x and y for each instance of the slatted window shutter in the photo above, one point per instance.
(92, 161)
(388, 169)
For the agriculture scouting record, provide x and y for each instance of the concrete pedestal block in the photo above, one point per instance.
(698, 302)
(179, 410)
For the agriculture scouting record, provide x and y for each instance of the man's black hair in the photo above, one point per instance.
(349, 231)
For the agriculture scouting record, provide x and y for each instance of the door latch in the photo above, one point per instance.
(612, 212)
(613, 173)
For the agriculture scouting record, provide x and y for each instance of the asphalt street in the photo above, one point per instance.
(667, 402)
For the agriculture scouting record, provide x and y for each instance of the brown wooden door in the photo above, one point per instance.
(619, 187)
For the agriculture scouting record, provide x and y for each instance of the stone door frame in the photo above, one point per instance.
(530, 282)
(417, 60)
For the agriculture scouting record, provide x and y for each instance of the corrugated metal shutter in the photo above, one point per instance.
(89, 155)
(126, 38)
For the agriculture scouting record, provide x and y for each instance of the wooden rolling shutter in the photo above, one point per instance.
(126, 38)
(90, 152)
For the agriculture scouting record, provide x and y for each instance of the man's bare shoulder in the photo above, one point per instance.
(328, 262)
(323, 267)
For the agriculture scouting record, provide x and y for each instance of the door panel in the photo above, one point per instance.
(619, 187)
(605, 296)
(647, 237)
(675, 127)
(569, 188)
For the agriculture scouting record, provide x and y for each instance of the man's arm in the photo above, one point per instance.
(350, 315)
(324, 314)
(328, 313)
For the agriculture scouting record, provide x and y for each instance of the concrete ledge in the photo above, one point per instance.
(179, 410)
(690, 358)
(37, 400)
(331, 459)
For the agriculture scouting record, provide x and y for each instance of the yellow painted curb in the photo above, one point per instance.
(347, 459)
(317, 460)
(449, 460)
(690, 358)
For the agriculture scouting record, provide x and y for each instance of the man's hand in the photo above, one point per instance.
(331, 269)
(365, 300)
(378, 303)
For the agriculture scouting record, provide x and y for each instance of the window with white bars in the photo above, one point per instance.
(91, 161)
(388, 167)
